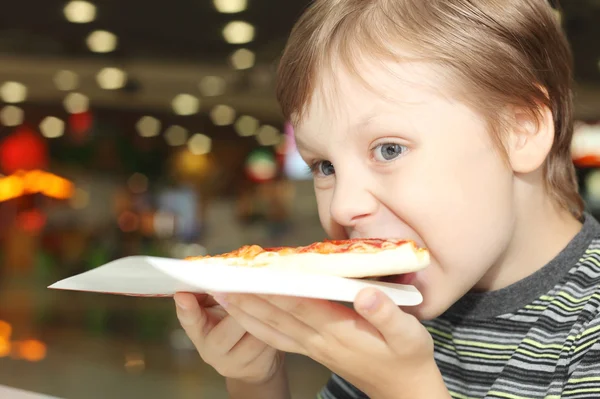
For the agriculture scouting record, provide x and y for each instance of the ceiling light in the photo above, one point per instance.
(176, 135)
(66, 80)
(76, 103)
(211, 86)
(242, 59)
(13, 92)
(222, 115)
(148, 126)
(238, 32)
(199, 144)
(102, 41)
(80, 12)
(11, 115)
(185, 104)
(246, 125)
(230, 6)
(52, 127)
(111, 78)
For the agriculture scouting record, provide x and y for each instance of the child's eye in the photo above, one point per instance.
(322, 168)
(388, 151)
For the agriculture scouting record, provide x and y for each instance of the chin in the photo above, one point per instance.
(434, 301)
(425, 311)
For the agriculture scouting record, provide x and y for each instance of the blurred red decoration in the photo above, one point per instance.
(23, 150)
(588, 161)
(129, 222)
(80, 124)
(32, 221)
(261, 166)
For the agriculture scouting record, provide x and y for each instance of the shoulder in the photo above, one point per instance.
(579, 298)
(576, 299)
(582, 283)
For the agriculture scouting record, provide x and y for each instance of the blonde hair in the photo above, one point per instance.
(496, 53)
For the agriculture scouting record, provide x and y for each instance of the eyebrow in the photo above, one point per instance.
(300, 144)
(363, 122)
(355, 128)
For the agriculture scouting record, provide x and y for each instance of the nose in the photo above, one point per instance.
(352, 201)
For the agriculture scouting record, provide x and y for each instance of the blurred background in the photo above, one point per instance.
(136, 127)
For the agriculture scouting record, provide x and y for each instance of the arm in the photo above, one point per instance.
(274, 388)
(428, 384)
(582, 379)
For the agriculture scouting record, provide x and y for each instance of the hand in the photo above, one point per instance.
(223, 343)
(381, 350)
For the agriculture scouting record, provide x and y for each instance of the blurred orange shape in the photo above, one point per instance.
(31, 350)
(4, 347)
(5, 329)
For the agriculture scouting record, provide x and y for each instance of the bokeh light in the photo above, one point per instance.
(102, 41)
(66, 80)
(230, 6)
(246, 125)
(76, 103)
(222, 115)
(212, 86)
(238, 32)
(11, 115)
(52, 127)
(176, 135)
(199, 144)
(243, 59)
(148, 126)
(13, 92)
(80, 12)
(186, 104)
(111, 78)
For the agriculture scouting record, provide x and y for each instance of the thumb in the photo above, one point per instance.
(379, 310)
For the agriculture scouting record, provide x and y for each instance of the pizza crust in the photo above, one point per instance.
(402, 259)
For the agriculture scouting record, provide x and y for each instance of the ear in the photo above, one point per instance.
(531, 138)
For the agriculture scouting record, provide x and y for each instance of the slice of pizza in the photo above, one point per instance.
(353, 258)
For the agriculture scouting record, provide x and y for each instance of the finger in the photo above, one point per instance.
(249, 349)
(265, 359)
(378, 309)
(224, 336)
(191, 317)
(328, 318)
(206, 300)
(265, 332)
(273, 316)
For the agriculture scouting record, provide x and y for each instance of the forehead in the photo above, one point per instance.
(343, 98)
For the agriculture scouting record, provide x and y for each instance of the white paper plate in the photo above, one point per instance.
(14, 393)
(151, 276)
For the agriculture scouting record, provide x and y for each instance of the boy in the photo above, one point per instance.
(447, 122)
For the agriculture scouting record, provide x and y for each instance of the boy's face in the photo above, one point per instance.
(404, 160)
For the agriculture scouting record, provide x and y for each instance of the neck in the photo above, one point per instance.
(541, 232)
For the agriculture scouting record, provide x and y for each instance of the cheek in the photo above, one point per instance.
(459, 201)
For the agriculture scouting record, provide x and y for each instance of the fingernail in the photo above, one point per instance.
(221, 299)
(180, 305)
(370, 303)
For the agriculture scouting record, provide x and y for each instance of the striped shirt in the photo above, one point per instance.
(538, 338)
